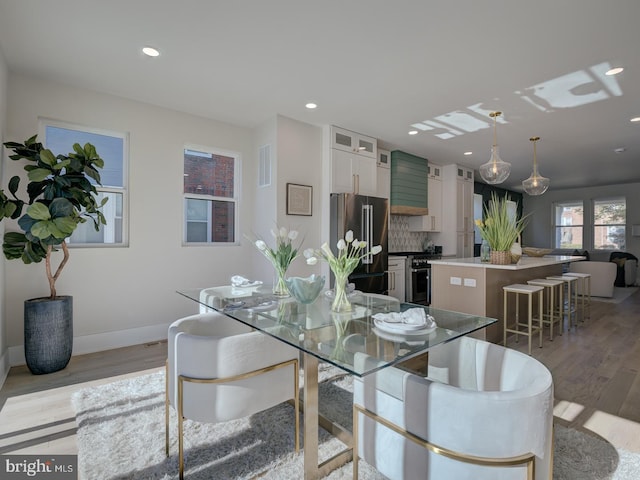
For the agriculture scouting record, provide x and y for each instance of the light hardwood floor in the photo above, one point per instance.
(595, 370)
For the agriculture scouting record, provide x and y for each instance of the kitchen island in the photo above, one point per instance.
(468, 285)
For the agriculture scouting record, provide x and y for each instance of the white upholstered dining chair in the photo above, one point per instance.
(484, 412)
(219, 370)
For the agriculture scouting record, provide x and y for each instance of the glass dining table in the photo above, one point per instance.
(335, 338)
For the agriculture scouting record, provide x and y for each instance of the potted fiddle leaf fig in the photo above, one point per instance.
(61, 196)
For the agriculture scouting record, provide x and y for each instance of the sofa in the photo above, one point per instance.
(627, 268)
(608, 269)
(603, 276)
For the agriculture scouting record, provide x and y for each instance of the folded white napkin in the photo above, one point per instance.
(238, 281)
(414, 317)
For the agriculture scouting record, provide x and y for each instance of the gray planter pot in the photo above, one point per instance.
(48, 333)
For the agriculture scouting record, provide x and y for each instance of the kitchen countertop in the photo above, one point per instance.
(523, 263)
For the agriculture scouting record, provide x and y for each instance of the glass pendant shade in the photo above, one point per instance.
(495, 170)
(536, 184)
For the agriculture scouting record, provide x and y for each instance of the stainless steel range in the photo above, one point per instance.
(418, 276)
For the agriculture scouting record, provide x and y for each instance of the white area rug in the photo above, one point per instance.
(619, 294)
(121, 436)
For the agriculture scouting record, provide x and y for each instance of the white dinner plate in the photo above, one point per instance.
(410, 339)
(401, 328)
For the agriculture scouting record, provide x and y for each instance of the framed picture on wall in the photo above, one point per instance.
(299, 199)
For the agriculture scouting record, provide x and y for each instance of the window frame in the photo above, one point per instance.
(44, 122)
(594, 224)
(235, 200)
(556, 226)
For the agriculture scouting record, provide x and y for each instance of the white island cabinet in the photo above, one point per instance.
(467, 285)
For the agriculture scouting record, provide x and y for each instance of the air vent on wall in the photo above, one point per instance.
(264, 176)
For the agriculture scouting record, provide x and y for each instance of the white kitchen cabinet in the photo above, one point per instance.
(433, 221)
(456, 234)
(464, 205)
(434, 171)
(464, 244)
(396, 277)
(384, 158)
(464, 212)
(384, 182)
(353, 173)
(353, 142)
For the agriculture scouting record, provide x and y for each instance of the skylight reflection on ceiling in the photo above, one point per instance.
(567, 91)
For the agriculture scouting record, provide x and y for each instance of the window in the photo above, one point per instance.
(568, 223)
(609, 224)
(113, 149)
(210, 196)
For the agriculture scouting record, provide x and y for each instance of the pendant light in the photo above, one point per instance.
(495, 170)
(535, 184)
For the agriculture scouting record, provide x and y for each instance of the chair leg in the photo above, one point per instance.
(540, 310)
(180, 430)
(166, 408)
(355, 443)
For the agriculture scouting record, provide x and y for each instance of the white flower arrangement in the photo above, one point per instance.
(281, 256)
(284, 253)
(350, 252)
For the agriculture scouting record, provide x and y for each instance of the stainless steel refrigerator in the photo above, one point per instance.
(368, 218)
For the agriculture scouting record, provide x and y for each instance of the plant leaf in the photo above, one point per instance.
(38, 174)
(39, 211)
(65, 225)
(61, 207)
(47, 157)
(14, 183)
(41, 229)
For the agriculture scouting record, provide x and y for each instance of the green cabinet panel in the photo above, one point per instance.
(409, 175)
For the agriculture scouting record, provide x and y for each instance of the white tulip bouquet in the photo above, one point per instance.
(281, 256)
(350, 252)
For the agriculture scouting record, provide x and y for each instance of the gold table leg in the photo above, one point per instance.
(312, 419)
(310, 436)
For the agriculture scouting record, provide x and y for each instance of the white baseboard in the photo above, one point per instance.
(4, 367)
(99, 342)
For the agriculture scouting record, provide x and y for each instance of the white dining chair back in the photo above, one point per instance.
(219, 369)
(483, 412)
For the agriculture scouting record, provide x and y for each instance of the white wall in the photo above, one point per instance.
(4, 357)
(300, 162)
(265, 199)
(116, 289)
(539, 231)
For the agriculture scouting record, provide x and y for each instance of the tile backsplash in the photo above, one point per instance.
(401, 239)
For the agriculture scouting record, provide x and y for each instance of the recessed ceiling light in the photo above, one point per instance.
(150, 51)
(311, 105)
(614, 71)
(468, 153)
(635, 119)
(413, 132)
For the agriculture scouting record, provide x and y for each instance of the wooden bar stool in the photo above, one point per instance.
(572, 300)
(552, 315)
(528, 290)
(584, 291)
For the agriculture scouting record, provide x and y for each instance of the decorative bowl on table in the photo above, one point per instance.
(305, 290)
(536, 252)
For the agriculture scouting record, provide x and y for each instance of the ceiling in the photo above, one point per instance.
(372, 66)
